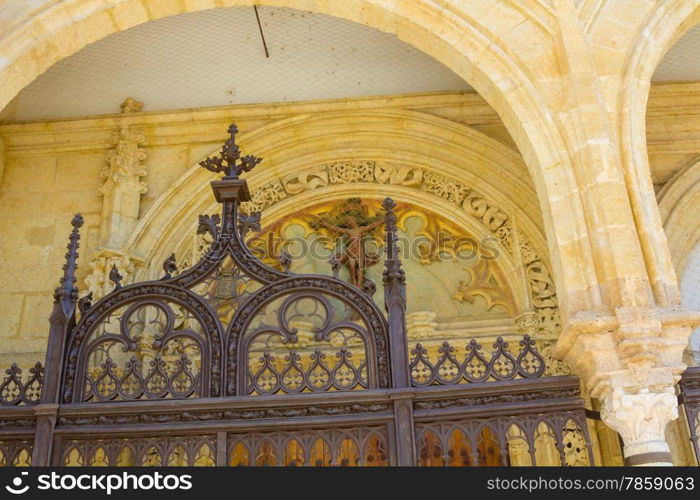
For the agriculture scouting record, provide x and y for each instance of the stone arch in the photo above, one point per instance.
(669, 21)
(679, 204)
(467, 38)
(441, 165)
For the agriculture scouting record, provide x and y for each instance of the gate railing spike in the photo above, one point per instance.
(67, 293)
(394, 280)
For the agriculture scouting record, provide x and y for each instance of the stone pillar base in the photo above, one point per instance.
(648, 453)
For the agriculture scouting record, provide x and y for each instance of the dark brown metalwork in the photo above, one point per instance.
(173, 451)
(233, 362)
(690, 399)
(473, 365)
(15, 453)
(14, 391)
(363, 446)
(557, 438)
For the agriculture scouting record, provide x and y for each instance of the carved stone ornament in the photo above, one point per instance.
(122, 185)
(640, 418)
(98, 280)
(131, 105)
(125, 166)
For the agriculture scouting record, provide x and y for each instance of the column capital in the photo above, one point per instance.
(635, 347)
(631, 360)
(641, 419)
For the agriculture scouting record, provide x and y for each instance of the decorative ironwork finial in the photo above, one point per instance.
(169, 266)
(285, 261)
(392, 272)
(67, 292)
(115, 277)
(229, 160)
(85, 303)
(335, 263)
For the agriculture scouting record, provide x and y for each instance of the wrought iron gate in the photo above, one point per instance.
(234, 362)
(690, 400)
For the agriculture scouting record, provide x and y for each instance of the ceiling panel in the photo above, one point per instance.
(682, 61)
(216, 57)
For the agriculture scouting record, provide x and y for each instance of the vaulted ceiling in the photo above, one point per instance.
(217, 57)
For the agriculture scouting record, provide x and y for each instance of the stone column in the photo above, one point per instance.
(631, 362)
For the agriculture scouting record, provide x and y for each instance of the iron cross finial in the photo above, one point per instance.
(229, 160)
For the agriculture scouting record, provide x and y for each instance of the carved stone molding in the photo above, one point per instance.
(527, 323)
(131, 105)
(98, 280)
(640, 418)
(125, 161)
(636, 348)
(554, 366)
(122, 186)
(421, 325)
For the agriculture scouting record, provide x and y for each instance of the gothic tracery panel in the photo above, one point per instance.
(147, 451)
(361, 446)
(148, 350)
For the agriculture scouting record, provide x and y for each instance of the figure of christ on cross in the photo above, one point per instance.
(353, 254)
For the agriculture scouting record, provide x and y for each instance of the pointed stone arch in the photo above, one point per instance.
(661, 30)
